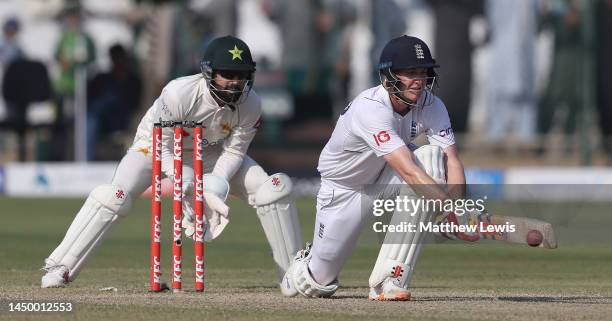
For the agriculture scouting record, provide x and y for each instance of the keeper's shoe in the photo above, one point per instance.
(389, 291)
(56, 277)
(287, 286)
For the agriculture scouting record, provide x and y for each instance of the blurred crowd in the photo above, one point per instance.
(512, 71)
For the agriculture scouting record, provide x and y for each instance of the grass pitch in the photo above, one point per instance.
(452, 281)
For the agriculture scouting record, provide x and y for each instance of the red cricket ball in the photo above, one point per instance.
(534, 238)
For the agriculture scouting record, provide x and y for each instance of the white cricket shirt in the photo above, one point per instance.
(369, 129)
(188, 99)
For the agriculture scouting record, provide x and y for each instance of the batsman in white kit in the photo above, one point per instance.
(370, 145)
(222, 99)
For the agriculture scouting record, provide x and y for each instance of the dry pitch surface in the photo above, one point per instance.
(348, 304)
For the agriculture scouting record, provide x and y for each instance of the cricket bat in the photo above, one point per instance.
(511, 229)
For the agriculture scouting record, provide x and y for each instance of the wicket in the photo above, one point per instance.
(177, 195)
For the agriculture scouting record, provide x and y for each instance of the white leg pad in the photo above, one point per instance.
(279, 218)
(400, 251)
(104, 206)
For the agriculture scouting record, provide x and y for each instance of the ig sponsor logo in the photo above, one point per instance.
(382, 137)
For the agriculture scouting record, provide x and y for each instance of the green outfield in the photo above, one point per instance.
(452, 282)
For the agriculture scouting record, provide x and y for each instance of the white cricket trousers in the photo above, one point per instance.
(341, 214)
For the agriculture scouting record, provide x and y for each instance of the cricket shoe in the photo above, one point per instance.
(286, 285)
(56, 277)
(389, 291)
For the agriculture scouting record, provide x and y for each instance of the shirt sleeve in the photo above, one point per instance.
(439, 131)
(377, 130)
(236, 145)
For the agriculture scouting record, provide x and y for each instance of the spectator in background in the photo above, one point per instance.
(305, 26)
(112, 93)
(564, 89)
(453, 50)
(75, 50)
(604, 72)
(511, 107)
(9, 51)
(15, 113)
(24, 82)
(9, 47)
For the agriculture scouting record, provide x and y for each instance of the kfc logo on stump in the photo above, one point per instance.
(382, 137)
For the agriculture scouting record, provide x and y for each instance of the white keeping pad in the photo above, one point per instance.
(279, 218)
(104, 206)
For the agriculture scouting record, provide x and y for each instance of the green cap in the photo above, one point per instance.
(228, 53)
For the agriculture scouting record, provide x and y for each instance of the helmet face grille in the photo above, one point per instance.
(394, 86)
(227, 96)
